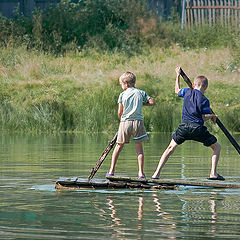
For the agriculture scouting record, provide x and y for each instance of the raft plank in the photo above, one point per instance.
(127, 182)
(172, 182)
(80, 183)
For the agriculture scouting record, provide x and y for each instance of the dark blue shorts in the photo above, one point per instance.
(192, 131)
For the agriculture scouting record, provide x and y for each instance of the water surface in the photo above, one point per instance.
(31, 208)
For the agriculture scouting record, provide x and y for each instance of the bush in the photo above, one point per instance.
(108, 25)
(69, 25)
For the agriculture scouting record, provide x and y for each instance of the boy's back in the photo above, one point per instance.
(194, 106)
(132, 100)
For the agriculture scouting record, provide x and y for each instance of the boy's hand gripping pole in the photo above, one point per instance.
(219, 123)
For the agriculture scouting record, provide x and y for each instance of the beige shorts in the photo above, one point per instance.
(130, 128)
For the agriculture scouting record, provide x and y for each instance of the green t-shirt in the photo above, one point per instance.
(132, 100)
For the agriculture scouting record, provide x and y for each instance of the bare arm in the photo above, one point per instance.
(120, 110)
(150, 102)
(177, 83)
(206, 117)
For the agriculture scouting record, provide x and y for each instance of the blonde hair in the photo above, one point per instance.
(201, 81)
(129, 78)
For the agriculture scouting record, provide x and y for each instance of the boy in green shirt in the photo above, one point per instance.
(130, 104)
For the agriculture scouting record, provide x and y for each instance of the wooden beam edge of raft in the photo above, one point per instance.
(172, 182)
(80, 183)
(127, 182)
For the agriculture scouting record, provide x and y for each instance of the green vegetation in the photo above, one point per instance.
(59, 70)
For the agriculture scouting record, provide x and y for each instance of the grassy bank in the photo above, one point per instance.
(59, 69)
(79, 91)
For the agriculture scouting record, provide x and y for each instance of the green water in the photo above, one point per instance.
(30, 207)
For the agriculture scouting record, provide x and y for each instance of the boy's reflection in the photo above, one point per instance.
(163, 219)
(140, 208)
(119, 233)
(117, 221)
(161, 213)
(212, 203)
(113, 213)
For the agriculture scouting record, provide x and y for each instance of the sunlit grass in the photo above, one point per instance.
(79, 91)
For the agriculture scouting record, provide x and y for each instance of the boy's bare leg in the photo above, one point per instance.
(215, 157)
(140, 157)
(118, 148)
(170, 149)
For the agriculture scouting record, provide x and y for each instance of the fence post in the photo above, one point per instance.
(183, 13)
(29, 6)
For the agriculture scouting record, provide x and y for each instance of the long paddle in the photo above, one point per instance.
(103, 156)
(219, 123)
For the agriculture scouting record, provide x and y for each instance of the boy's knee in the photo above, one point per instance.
(216, 147)
(120, 146)
(139, 148)
(171, 148)
(219, 147)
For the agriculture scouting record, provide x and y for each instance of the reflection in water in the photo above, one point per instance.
(113, 213)
(161, 213)
(116, 221)
(182, 168)
(212, 203)
(30, 207)
(140, 208)
(165, 221)
(162, 219)
(140, 216)
(119, 232)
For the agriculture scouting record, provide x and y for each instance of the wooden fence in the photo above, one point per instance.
(210, 12)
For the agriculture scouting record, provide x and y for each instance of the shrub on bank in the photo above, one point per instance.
(108, 25)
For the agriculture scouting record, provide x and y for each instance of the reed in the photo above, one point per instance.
(79, 92)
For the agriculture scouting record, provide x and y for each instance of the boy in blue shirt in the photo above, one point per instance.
(130, 104)
(196, 110)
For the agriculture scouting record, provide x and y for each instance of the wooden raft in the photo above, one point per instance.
(127, 182)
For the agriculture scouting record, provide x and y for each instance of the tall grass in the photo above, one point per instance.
(79, 91)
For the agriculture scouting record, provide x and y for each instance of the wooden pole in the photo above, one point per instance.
(202, 13)
(195, 13)
(221, 12)
(188, 15)
(191, 14)
(217, 12)
(209, 13)
(225, 12)
(219, 123)
(103, 156)
(229, 12)
(199, 12)
(183, 14)
(238, 18)
(235, 13)
(214, 12)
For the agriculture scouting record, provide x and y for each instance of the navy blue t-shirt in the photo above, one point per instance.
(195, 104)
